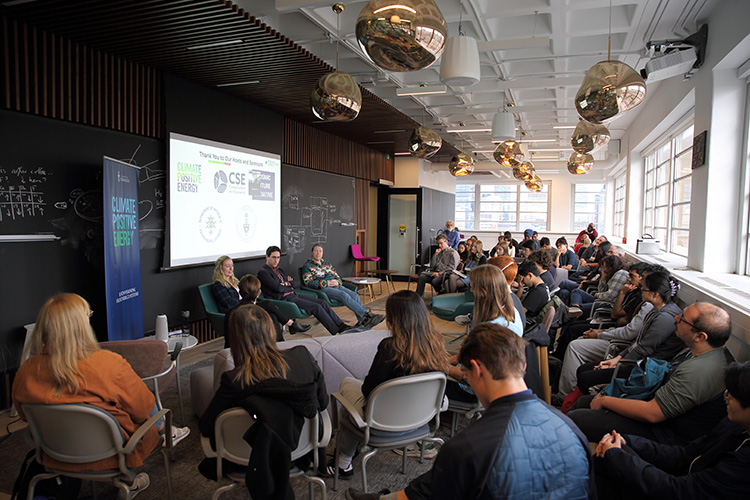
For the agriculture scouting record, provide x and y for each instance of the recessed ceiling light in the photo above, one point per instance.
(459, 130)
(401, 154)
(427, 90)
(546, 158)
(564, 126)
(215, 44)
(249, 82)
(537, 140)
(549, 150)
(484, 151)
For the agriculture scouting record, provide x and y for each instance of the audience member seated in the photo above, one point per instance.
(513, 245)
(520, 448)
(442, 263)
(565, 258)
(501, 248)
(509, 268)
(587, 270)
(582, 247)
(463, 254)
(528, 246)
(279, 388)
(320, 275)
(457, 283)
(278, 285)
(656, 339)
(590, 233)
(715, 465)
(65, 366)
(413, 347)
(593, 345)
(689, 404)
(613, 277)
(543, 262)
(452, 233)
(250, 291)
(538, 293)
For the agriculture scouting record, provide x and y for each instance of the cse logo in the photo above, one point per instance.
(221, 180)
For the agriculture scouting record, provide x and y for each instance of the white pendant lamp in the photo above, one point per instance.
(503, 126)
(459, 65)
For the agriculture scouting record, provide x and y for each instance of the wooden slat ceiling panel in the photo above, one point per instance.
(156, 33)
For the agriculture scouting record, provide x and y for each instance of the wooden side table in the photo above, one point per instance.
(386, 273)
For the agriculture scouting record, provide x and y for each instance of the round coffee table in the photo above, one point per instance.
(364, 282)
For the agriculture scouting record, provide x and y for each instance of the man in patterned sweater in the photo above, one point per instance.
(320, 275)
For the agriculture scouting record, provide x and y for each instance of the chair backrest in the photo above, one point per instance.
(548, 317)
(356, 252)
(147, 357)
(232, 424)
(74, 433)
(386, 410)
(207, 297)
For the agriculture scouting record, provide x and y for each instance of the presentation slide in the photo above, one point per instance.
(223, 200)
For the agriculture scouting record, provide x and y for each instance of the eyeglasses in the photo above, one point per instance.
(727, 396)
(91, 312)
(683, 320)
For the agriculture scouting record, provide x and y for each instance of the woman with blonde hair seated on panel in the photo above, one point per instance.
(67, 366)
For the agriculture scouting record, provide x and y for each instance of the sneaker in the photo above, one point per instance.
(178, 434)
(352, 494)
(140, 483)
(414, 450)
(372, 320)
(574, 312)
(347, 473)
(463, 319)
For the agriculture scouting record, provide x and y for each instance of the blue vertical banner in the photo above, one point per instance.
(122, 251)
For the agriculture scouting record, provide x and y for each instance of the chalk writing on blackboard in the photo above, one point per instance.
(20, 192)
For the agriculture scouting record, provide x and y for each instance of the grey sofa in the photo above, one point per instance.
(348, 355)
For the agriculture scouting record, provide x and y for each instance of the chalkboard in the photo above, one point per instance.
(50, 179)
(52, 185)
(316, 207)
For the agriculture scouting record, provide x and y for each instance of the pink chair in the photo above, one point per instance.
(357, 254)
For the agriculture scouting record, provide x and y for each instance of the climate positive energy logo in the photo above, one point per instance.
(220, 181)
(209, 224)
(245, 223)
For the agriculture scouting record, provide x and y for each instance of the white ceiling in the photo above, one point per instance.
(541, 82)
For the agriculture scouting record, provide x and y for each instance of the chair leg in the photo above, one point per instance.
(403, 460)
(35, 480)
(312, 481)
(219, 491)
(168, 473)
(336, 463)
(367, 456)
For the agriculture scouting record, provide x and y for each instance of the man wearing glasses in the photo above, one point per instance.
(690, 403)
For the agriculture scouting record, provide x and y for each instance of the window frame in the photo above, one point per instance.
(519, 224)
(619, 209)
(653, 187)
(601, 222)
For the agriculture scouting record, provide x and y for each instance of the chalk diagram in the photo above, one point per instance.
(310, 218)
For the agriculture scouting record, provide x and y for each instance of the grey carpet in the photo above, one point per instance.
(383, 469)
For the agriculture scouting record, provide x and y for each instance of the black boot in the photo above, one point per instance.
(297, 327)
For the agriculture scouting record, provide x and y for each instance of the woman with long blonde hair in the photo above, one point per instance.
(413, 347)
(492, 299)
(225, 287)
(66, 366)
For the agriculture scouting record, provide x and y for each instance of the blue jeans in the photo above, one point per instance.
(349, 298)
(565, 288)
(578, 296)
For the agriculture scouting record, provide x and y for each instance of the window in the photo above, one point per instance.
(501, 207)
(619, 216)
(588, 205)
(667, 195)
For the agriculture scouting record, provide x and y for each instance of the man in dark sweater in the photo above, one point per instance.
(499, 456)
(278, 285)
(538, 293)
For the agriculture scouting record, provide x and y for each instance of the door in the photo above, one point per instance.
(403, 233)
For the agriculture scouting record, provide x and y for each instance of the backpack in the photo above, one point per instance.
(647, 376)
(59, 488)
